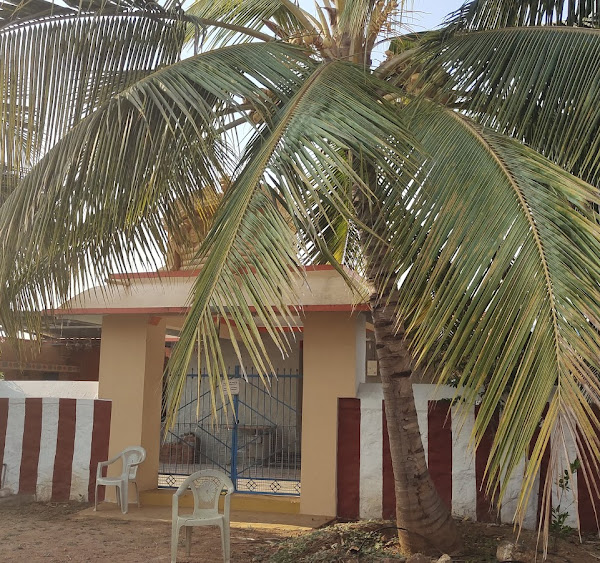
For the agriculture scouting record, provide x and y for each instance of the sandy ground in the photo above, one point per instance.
(55, 533)
(50, 532)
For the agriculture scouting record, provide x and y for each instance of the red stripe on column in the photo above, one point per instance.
(348, 458)
(100, 439)
(588, 495)
(389, 489)
(65, 444)
(439, 449)
(32, 434)
(485, 507)
(585, 502)
(3, 425)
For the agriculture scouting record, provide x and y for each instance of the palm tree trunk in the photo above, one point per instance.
(425, 524)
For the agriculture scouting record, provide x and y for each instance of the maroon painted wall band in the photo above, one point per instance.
(348, 458)
(3, 426)
(30, 455)
(439, 448)
(65, 444)
(100, 438)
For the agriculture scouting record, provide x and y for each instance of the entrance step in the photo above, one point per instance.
(279, 504)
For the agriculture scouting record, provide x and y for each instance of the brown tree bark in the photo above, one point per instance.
(425, 523)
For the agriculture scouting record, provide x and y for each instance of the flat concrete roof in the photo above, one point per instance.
(318, 288)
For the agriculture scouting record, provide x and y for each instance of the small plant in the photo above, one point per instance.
(558, 527)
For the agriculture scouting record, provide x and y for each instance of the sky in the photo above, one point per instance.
(426, 14)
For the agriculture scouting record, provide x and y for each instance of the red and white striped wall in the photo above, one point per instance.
(365, 483)
(52, 446)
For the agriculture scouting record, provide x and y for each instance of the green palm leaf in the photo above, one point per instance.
(91, 217)
(500, 251)
(250, 258)
(12, 12)
(54, 73)
(494, 14)
(282, 16)
(539, 85)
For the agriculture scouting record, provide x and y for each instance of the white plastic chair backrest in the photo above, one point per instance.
(132, 457)
(207, 486)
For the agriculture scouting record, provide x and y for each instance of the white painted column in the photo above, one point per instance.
(80, 471)
(13, 445)
(464, 483)
(371, 452)
(49, 435)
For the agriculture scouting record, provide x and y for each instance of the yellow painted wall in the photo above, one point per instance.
(131, 366)
(333, 359)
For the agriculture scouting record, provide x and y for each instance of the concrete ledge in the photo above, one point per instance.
(239, 501)
(239, 518)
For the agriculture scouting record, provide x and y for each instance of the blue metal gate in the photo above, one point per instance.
(257, 445)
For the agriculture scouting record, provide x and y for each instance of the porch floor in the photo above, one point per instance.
(241, 519)
(281, 504)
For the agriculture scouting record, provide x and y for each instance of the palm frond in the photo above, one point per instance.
(494, 14)
(538, 85)
(15, 13)
(55, 72)
(74, 218)
(500, 251)
(282, 16)
(248, 279)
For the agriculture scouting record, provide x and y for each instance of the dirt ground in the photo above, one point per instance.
(51, 533)
(481, 541)
(54, 533)
(377, 542)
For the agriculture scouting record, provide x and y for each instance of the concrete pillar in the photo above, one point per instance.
(131, 367)
(334, 364)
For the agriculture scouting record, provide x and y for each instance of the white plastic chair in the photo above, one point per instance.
(131, 457)
(207, 486)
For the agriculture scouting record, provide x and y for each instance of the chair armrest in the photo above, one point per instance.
(111, 461)
(182, 489)
(227, 506)
(175, 509)
(102, 464)
(99, 467)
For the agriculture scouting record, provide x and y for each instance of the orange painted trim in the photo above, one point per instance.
(195, 272)
(121, 311)
(152, 275)
(184, 310)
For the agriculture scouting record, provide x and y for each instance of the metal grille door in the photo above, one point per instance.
(257, 443)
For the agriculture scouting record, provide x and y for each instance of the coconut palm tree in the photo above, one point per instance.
(457, 172)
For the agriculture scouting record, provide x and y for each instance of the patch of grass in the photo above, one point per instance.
(361, 541)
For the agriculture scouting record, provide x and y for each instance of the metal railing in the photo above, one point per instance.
(256, 441)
